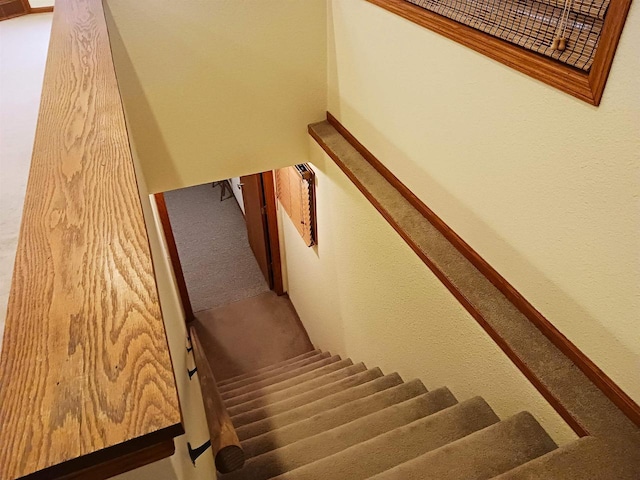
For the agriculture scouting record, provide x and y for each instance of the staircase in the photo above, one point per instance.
(317, 416)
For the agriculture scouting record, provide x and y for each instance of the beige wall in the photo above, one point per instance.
(543, 186)
(362, 292)
(218, 88)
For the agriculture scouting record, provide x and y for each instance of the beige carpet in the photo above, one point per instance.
(211, 236)
(23, 53)
(317, 417)
(250, 334)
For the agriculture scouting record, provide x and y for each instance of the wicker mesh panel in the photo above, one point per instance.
(591, 8)
(527, 23)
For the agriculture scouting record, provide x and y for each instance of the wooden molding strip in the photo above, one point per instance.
(595, 374)
(227, 450)
(41, 9)
(85, 371)
(174, 257)
(585, 86)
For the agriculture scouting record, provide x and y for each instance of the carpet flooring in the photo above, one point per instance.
(23, 52)
(211, 237)
(251, 334)
(317, 416)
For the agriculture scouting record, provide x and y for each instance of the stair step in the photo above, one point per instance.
(280, 378)
(436, 401)
(297, 389)
(402, 444)
(272, 373)
(588, 458)
(332, 441)
(252, 373)
(481, 455)
(289, 403)
(331, 367)
(307, 411)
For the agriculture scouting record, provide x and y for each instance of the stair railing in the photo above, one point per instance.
(227, 451)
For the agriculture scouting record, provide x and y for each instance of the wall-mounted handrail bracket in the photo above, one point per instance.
(194, 453)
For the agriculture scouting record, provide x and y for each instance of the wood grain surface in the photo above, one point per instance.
(85, 369)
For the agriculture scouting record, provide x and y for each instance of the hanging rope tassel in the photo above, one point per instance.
(560, 40)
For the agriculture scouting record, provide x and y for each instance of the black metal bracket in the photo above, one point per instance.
(194, 453)
(189, 349)
(192, 372)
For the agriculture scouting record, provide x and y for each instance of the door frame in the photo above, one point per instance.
(273, 242)
(174, 257)
(273, 237)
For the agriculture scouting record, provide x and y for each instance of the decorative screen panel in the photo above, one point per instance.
(295, 188)
(534, 25)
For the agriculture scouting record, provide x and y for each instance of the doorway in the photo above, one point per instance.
(223, 241)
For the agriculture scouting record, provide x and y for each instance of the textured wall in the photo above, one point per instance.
(543, 186)
(218, 88)
(362, 292)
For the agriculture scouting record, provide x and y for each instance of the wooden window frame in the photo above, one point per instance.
(587, 86)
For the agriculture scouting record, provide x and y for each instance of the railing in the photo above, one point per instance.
(227, 451)
(86, 382)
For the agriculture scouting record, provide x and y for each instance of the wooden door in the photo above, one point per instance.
(255, 214)
(13, 8)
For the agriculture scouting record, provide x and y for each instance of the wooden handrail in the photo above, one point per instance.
(227, 451)
(86, 380)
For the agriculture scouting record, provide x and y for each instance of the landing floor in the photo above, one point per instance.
(251, 334)
(211, 237)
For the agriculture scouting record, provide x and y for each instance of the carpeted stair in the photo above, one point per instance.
(317, 416)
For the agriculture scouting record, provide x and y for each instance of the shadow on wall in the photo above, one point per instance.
(141, 122)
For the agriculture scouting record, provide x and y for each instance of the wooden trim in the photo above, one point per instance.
(41, 9)
(96, 470)
(118, 458)
(586, 365)
(585, 86)
(85, 368)
(272, 231)
(609, 39)
(163, 213)
(227, 450)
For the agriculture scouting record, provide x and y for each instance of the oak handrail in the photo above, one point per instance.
(86, 380)
(227, 450)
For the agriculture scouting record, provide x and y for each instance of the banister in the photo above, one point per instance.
(227, 451)
(86, 382)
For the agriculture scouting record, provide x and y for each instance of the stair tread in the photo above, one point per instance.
(272, 373)
(588, 458)
(313, 395)
(297, 389)
(268, 367)
(480, 455)
(343, 413)
(330, 367)
(331, 441)
(402, 444)
(284, 376)
(328, 403)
